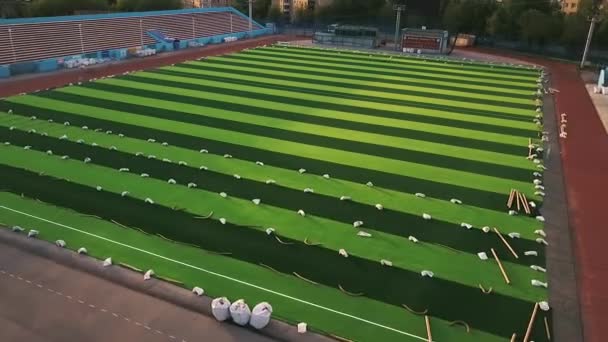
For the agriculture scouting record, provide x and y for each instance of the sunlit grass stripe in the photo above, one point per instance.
(365, 81)
(245, 214)
(387, 221)
(432, 114)
(430, 137)
(320, 99)
(372, 65)
(406, 203)
(266, 110)
(397, 167)
(182, 135)
(318, 264)
(347, 140)
(443, 62)
(293, 299)
(345, 90)
(374, 144)
(313, 65)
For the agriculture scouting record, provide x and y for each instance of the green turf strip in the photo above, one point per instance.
(374, 66)
(331, 234)
(382, 59)
(437, 93)
(508, 132)
(336, 90)
(369, 82)
(318, 100)
(380, 73)
(407, 203)
(318, 264)
(324, 121)
(284, 308)
(388, 221)
(435, 102)
(418, 171)
(439, 155)
(338, 105)
(355, 174)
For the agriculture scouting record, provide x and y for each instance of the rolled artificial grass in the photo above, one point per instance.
(445, 145)
(289, 178)
(389, 221)
(316, 263)
(483, 199)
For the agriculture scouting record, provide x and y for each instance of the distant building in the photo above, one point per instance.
(207, 3)
(570, 6)
(290, 8)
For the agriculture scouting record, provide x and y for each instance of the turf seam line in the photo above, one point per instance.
(216, 274)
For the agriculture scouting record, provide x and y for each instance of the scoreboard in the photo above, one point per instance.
(418, 42)
(424, 41)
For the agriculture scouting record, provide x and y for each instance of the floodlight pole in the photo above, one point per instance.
(399, 9)
(594, 20)
(250, 16)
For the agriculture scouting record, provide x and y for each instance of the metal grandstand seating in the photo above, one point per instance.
(23, 42)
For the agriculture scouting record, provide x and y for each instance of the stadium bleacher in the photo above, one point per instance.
(32, 41)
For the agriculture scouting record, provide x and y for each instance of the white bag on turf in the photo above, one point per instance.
(220, 307)
(240, 312)
(260, 317)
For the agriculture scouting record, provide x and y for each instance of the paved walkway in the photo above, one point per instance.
(45, 301)
(601, 105)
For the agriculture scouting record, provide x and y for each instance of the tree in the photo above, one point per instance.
(536, 26)
(66, 7)
(148, 5)
(275, 15)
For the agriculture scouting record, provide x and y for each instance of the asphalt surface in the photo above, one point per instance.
(41, 300)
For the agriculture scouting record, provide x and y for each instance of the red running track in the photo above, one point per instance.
(585, 165)
(585, 162)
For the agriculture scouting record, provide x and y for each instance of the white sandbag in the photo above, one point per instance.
(538, 283)
(198, 291)
(260, 316)
(370, 184)
(32, 233)
(343, 252)
(482, 256)
(379, 206)
(486, 229)
(107, 262)
(543, 306)
(420, 194)
(345, 198)
(385, 262)
(17, 229)
(531, 253)
(302, 328)
(514, 235)
(540, 232)
(538, 268)
(148, 274)
(364, 234)
(357, 224)
(240, 312)
(412, 239)
(466, 225)
(426, 216)
(60, 243)
(220, 308)
(82, 250)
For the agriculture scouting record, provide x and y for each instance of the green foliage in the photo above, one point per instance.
(467, 15)
(536, 26)
(45, 8)
(147, 5)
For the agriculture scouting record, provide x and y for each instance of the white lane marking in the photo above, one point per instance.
(103, 310)
(219, 275)
(114, 314)
(92, 306)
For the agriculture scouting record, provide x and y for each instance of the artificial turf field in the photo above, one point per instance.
(448, 129)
